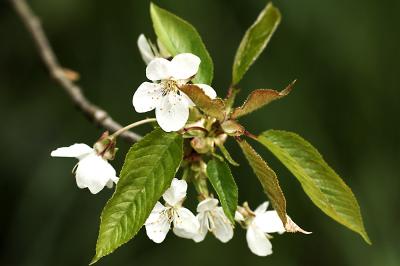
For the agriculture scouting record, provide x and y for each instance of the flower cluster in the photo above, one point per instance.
(210, 218)
(172, 112)
(188, 139)
(172, 108)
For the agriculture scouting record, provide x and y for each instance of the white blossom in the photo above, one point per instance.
(259, 226)
(146, 49)
(92, 171)
(163, 94)
(149, 51)
(161, 217)
(212, 218)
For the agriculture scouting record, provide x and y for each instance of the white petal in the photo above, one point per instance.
(203, 222)
(221, 227)
(77, 150)
(262, 208)
(147, 97)
(115, 179)
(269, 222)
(93, 172)
(189, 101)
(176, 192)
(155, 212)
(207, 205)
(208, 90)
(258, 242)
(111, 181)
(157, 224)
(239, 217)
(173, 112)
(184, 66)
(145, 49)
(185, 223)
(158, 69)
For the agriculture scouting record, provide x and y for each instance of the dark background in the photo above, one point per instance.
(345, 55)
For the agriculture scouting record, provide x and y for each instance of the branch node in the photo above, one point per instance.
(100, 115)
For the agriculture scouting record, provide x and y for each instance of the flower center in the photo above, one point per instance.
(170, 211)
(168, 86)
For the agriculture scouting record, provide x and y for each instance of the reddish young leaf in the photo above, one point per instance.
(211, 107)
(259, 98)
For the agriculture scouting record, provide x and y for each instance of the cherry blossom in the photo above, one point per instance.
(212, 218)
(163, 94)
(259, 224)
(161, 217)
(92, 171)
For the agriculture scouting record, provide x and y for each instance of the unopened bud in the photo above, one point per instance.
(202, 145)
(105, 146)
(220, 139)
(232, 128)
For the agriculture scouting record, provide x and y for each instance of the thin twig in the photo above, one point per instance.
(93, 112)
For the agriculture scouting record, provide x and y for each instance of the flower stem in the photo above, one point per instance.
(130, 126)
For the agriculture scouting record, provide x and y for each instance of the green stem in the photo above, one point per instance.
(130, 126)
(200, 184)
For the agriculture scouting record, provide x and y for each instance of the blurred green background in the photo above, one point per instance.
(345, 55)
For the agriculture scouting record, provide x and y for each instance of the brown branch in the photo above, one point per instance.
(93, 112)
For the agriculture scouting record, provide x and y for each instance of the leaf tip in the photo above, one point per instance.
(292, 227)
(366, 238)
(288, 89)
(278, 13)
(153, 9)
(100, 253)
(94, 260)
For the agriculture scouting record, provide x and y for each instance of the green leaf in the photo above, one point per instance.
(226, 154)
(267, 178)
(258, 99)
(149, 168)
(221, 178)
(255, 40)
(211, 107)
(178, 36)
(320, 182)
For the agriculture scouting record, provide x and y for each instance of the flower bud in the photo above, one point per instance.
(202, 145)
(105, 146)
(220, 139)
(232, 128)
